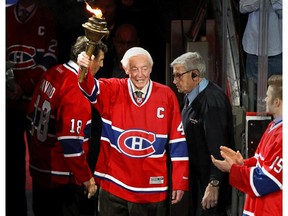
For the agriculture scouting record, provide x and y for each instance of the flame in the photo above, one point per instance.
(97, 12)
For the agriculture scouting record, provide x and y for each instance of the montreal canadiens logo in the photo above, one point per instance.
(137, 143)
(21, 56)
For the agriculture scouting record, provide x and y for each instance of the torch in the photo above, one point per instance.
(95, 29)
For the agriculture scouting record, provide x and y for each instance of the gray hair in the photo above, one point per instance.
(134, 51)
(190, 61)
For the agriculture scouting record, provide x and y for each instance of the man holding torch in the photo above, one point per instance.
(141, 123)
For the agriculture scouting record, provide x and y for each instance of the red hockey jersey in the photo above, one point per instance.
(60, 127)
(30, 46)
(132, 163)
(260, 178)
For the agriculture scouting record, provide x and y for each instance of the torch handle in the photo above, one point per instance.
(83, 73)
(90, 47)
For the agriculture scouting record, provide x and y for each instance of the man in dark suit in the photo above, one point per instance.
(208, 124)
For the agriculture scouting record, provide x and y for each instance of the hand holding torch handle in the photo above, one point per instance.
(90, 47)
(95, 30)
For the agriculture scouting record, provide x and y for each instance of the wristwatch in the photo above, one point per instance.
(214, 183)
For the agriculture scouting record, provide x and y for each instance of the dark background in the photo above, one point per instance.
(152, 19)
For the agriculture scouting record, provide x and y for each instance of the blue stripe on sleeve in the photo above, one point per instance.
(71, 146)
(261, 183)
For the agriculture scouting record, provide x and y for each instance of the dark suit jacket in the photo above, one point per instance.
(208, 124)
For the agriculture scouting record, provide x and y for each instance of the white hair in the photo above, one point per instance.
(134, 51)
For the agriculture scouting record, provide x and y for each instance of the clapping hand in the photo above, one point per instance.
(230, 157)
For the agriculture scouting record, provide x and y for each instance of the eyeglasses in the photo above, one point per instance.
(177, 76)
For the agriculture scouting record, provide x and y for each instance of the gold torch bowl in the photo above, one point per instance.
(95, 29)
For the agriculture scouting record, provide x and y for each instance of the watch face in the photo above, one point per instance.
(215, 183)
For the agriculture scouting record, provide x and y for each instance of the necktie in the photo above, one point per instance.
(138, 95)
(186, 102)
(184, 112)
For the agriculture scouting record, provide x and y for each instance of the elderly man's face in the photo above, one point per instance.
(183, 79)
(139, 70)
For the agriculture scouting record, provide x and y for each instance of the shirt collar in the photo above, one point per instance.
(29, 9)
(278, 120)
(199, 88)
(143, 90)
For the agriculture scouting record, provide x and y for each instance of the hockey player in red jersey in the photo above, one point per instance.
(31, 44)
(141, 122)
(60, 130)
(31, 47)
(260, 177)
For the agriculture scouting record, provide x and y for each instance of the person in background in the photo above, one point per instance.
(260, 177)
(251, 36)
(208, 123)
(60, 124)
(126, 37)
(31, 49)
(138, 130)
